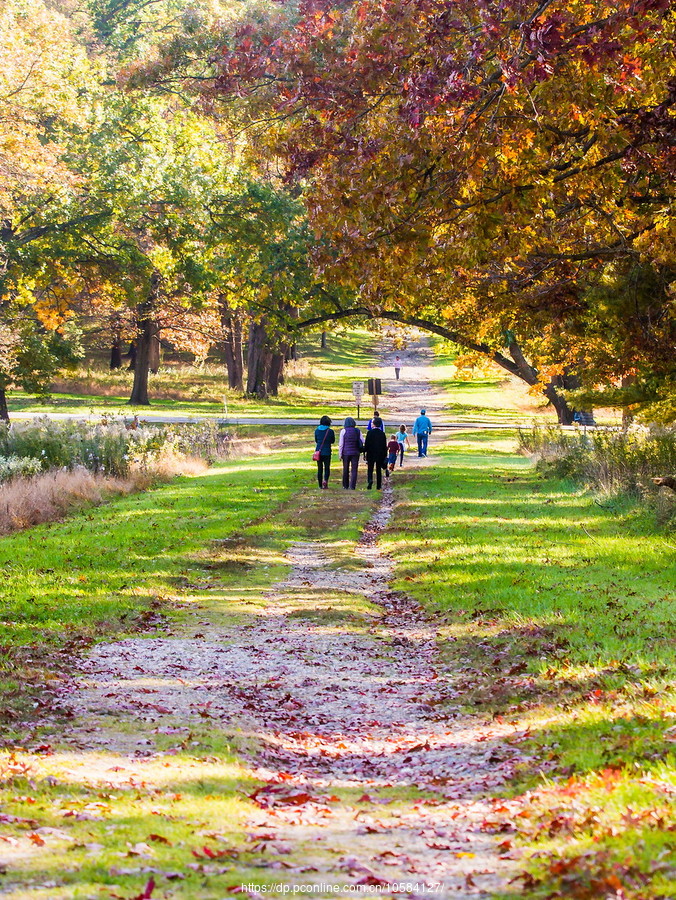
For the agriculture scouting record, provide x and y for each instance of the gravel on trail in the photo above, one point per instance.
(333, 702)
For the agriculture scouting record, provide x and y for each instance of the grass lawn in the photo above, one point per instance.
(556, 614)
(140, 564)
(319, 378)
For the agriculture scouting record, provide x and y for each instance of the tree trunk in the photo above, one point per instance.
(116, 352)
(154, 352)
(146, 331)
(564, 412)
(275, 370)
(257, 360)
(627, 415)
(322, 343)
(237, 380)
(528, 373)
(231, 324)
(4, 411)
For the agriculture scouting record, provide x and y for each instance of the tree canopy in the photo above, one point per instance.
(500, 173)
(491, 167)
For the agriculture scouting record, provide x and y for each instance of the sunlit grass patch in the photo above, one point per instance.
(102, 820)
(115, 569)
(320, 378)
(555, 614)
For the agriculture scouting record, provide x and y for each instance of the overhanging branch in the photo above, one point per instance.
(416, 322)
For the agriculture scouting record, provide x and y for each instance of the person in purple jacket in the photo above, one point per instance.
(350, 446)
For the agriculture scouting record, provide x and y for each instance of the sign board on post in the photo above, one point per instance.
(358, 393)
(374, 388)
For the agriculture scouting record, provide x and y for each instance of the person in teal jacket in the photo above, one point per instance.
(324, 437)
(422, 429)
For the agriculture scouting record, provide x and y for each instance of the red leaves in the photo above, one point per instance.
(7, 818)
(208, 853)
(368, 877)
(147, 893)
(275, 794)
(588, 876)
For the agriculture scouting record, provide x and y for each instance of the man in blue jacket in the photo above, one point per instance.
(422, 428)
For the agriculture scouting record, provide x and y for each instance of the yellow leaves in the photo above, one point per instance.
(48, 316)
(508, 153)
(43, 72)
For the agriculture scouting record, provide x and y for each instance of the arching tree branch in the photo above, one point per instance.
(426, 325)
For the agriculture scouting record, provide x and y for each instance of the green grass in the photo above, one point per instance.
(318, 378)
(114, 566)
(556, 614)
(197, 552)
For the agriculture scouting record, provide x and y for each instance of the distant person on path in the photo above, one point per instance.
(392, 453)
(402, 438)
(422, 429)
(398, 365)
(375, 447)
(324, 437)
(372, 422)
(350, 446)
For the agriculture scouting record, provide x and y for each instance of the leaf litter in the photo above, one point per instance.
(367, 773)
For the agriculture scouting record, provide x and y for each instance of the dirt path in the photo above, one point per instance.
(330, 687)
(369, 778)
(403, 399)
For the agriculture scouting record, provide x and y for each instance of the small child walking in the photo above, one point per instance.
(392, 452)
(403, 441)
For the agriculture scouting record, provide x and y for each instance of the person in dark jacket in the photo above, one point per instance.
(375, 447)
(350, 446)
(324, 437)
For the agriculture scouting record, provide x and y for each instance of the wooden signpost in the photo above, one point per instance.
(375, 388)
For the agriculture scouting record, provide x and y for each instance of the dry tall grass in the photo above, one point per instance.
(51, 495)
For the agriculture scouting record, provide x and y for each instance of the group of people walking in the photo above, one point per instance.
(381, 455)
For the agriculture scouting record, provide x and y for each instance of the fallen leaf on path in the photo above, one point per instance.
(207, 853)
(354, 865)
(369, 798)
(159, 839)
(141, 849)
(206, 869)
(374, 880)
(147, 893)
(17, 820)
(275, 794)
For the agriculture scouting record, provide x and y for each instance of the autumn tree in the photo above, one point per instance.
(44, 78)
(477, 168)
(262, 254)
